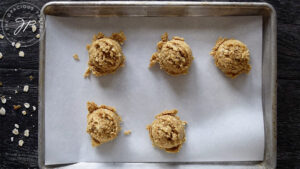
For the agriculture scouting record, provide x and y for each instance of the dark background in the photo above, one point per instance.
(15, 72)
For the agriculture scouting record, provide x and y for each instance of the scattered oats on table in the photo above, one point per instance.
(1, 36)
(2, 111)
(16, 107)
(21, 54)
(26, 133)
(38, 36)
(13, 44)
(1, 55)
(3, 99)
(27, 105)
(33, 28)
(18, 45)
(15, 131)
(11, 139)
(33, 108)
(21, 142)
(127, 132)
(75, 56)
(16, 91)
(31, 77)
(26, 88)
(17, 126)
(24, 112)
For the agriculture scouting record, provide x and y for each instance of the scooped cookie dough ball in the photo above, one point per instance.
(103, 123)
(105, 54)
(174, 56)
(167, 131)
(231, 56)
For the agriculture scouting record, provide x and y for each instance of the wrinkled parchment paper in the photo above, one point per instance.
(225, 119)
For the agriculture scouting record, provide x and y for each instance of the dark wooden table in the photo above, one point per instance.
(15, 72)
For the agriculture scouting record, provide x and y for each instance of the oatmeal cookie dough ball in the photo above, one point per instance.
(174, 56)
(231, 56)
(105, 54)
(167, 131)
(103, 123)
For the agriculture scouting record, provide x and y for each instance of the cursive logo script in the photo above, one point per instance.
(22, 24)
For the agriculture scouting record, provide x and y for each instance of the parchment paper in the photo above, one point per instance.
(225, 119)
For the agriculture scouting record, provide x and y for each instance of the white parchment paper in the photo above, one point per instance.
(225, 119)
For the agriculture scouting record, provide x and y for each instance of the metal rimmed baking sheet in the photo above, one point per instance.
(160, 9)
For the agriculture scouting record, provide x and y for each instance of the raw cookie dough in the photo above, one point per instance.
(103, 123)
(127, 132)
(75, 56)
(167, 131)
(174, 56)
(105, 54)
(231, 56)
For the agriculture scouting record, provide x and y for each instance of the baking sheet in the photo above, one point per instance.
(225, 119)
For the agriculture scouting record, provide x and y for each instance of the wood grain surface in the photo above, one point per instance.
(15, 72)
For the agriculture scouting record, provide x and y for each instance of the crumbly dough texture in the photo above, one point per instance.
(231, 56)
(167, 131)
(75, 56)
(174, 56)
(103, 123)
(105, 54)
(127, 132)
